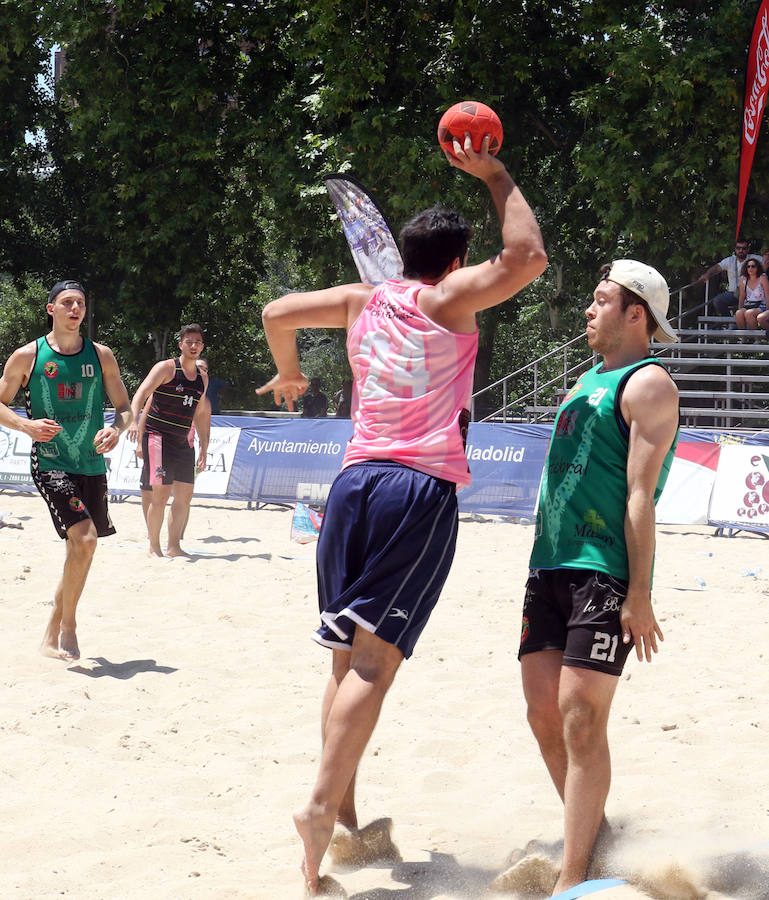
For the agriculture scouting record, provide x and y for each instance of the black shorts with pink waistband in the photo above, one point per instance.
(166, 461)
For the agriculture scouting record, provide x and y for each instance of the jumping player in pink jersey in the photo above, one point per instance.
(390, 526)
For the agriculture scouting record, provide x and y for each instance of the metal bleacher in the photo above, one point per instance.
(722, 374)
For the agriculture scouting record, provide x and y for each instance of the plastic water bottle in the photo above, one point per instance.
(699, 581)
(750, 573)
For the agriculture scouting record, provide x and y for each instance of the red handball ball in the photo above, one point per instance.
(477, 118)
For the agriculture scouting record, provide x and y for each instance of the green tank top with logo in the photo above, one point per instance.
(69, 390)
(582, 498)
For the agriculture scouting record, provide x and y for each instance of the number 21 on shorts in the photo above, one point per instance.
(604, 647)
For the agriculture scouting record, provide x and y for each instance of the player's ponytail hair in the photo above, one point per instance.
(432, 240)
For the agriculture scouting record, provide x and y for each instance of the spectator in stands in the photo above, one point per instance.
(753, 296)
(725, 303)
(215, 387)
(343, 400)
(315, 402)
(765, 259)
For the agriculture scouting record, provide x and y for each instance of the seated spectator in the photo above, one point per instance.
(725, 303)
(753, 296)
(315, 402)
(765, 259)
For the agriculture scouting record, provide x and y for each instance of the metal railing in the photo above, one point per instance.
(542, 385)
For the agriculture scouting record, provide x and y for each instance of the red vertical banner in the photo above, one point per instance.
(756, 86)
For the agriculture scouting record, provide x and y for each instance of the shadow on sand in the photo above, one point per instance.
(122, 671)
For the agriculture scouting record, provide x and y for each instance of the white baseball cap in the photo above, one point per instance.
(646, 283)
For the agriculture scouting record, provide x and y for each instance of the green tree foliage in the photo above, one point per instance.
(659, 155)
(154, 146)
(21, 157)
(187, 142)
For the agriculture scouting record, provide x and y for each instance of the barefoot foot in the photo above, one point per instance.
(329, 889)
(315, 829)
(68, 647)
(177, 551)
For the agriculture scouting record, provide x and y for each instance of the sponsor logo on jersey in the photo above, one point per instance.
(51, 369)
(66, 391)
(566, 423)
(593, 528)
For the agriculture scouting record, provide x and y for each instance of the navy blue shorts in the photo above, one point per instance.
(576, 611)
(384, 552)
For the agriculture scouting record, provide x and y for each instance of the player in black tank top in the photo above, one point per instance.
(174, 405)
(178, 402)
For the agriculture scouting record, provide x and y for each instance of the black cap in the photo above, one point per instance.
(64, 286)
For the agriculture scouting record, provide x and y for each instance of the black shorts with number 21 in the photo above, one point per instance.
(576, 611)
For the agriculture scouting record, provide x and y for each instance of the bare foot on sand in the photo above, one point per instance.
(155, 551)
(315, 829)
(68, 648)
(49, 646)
(361, 846)
(329, 889)
(531, 875)
(176, 551)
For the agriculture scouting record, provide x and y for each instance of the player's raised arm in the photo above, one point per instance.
(522, 257)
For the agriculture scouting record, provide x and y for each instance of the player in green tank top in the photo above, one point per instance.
(68, 388)
(588, 598)
(64, 377)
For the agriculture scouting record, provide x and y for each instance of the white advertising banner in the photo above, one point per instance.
(741, 490)
(15, 448)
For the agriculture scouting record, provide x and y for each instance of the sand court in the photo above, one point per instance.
(166, 762)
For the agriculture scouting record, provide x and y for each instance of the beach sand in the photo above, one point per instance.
(167, 761)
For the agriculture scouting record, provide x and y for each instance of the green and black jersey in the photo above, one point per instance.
(67, 388)
(583, 495)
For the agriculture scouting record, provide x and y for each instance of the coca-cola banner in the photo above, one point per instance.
(756, 86)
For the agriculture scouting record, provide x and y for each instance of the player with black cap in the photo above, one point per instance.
(65, 377)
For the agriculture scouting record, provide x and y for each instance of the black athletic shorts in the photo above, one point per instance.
(74, 498)
(576, 611)
(166, 461)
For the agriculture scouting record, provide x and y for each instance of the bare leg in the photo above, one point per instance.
(349, 723)
(585, 699)
(568, 711)
(177, 517)
(541, 676)
(155, 513)
(60, 638)
(146, 500)
(346, 814)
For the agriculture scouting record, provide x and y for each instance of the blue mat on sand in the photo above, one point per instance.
(588, 887)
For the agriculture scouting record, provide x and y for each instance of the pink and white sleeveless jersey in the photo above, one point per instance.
(413, 382)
